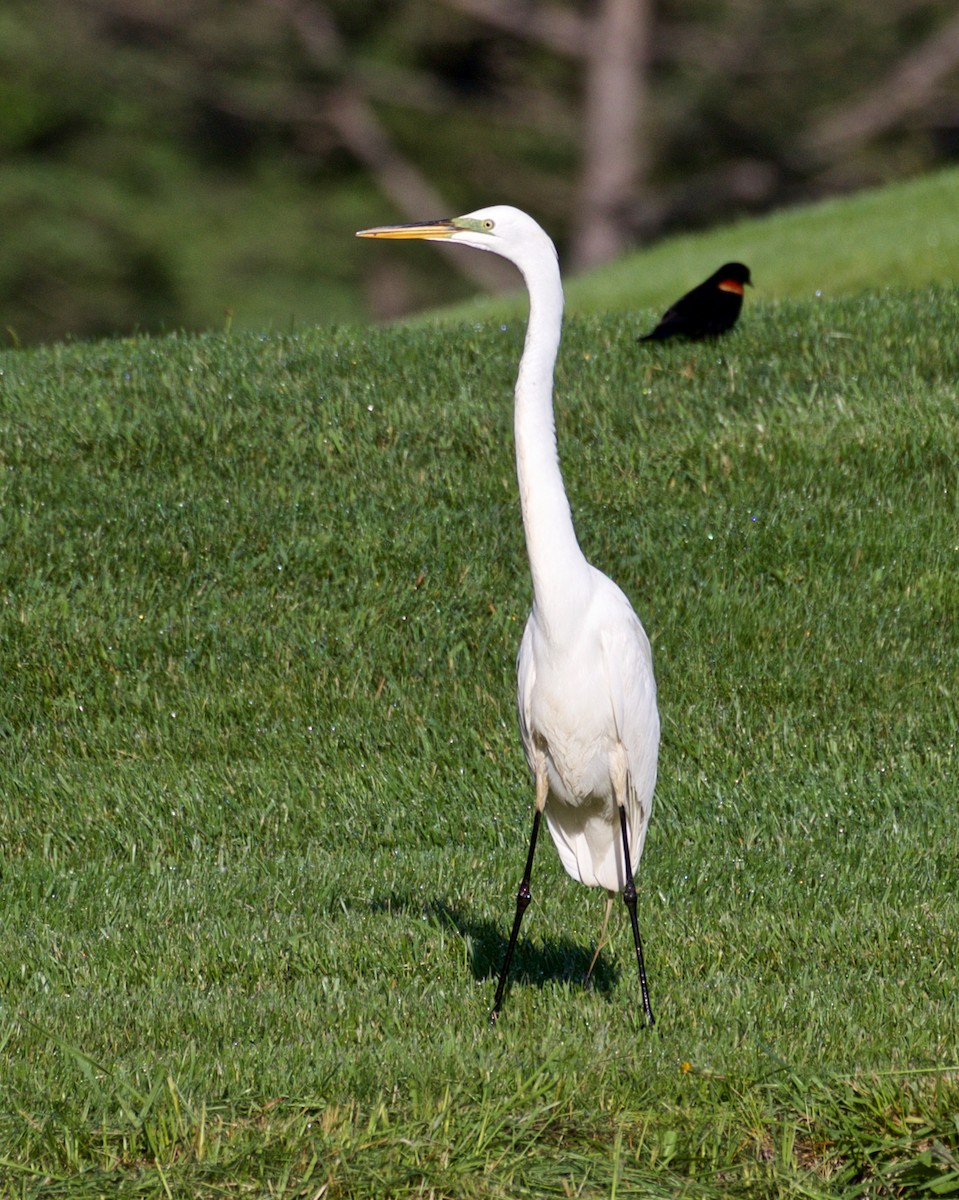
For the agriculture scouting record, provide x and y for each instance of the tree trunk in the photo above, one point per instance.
(613, 162)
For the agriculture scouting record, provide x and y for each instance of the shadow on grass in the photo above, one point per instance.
(536, 964)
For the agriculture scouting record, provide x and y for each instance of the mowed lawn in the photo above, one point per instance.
(264, 808)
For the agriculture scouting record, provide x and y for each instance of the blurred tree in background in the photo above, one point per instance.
(187, 163)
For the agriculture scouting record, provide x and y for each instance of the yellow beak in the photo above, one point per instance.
(425, 229)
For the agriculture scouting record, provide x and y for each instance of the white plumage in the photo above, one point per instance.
(586, 693)
(594, 750)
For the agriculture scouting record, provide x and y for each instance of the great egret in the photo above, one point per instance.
(585, 688)
(709, 309)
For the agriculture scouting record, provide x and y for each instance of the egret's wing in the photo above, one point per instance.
(628, 664)
(525, 681)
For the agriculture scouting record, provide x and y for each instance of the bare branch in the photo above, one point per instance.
(353, 119)
(558, 29)
(315, 28)
(357, 125)
(910, 87)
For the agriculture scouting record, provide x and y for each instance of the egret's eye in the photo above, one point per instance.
(489, 225)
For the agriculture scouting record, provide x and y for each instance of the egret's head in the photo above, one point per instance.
(500, 229)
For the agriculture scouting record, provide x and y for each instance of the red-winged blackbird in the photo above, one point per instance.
(708, 310)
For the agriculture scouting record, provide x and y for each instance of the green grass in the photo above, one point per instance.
(902, 235)
(264, 807)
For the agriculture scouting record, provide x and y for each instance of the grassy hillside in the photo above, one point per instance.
(903, 235)
(264, 807)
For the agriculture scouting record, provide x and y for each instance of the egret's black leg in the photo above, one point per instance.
(522, 904)
(629, 895)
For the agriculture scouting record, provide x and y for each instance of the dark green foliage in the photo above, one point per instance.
(187, 165)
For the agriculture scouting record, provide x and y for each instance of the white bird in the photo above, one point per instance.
(586, 693)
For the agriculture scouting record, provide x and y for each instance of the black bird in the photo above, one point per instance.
(708, 310)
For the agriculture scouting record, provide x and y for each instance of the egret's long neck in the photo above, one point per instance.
(559, 569)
